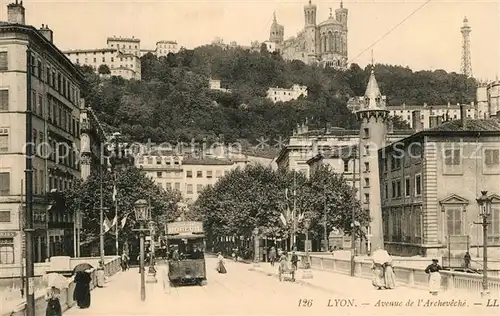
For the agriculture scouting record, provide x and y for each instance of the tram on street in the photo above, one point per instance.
(186, 259)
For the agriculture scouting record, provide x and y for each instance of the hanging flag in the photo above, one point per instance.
(301, 216)
(123, 221)
(283, 219)
(106, 225)
(114, 193)
(115, 220)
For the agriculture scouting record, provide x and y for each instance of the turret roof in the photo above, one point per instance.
(372, 92)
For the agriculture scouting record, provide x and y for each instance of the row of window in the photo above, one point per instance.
(177, 186)
(396, 187)
(403, 224)
(208, 173)
(39, 186)
(49, 74)
(455, 219)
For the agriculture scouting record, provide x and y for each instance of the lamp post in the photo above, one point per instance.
(152, 269)
(255, 233)
(142, 215)
(353, 156)
(484, 203)
(307, 225)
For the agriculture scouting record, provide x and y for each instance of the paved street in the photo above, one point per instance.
(244, 292)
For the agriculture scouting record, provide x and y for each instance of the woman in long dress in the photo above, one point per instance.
(82, 289)
(272, 256)
(434, 276)
(378, 275)
(53, 305)
(389, 277)
(220, 264)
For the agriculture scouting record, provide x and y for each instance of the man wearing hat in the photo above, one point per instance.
(434, 276)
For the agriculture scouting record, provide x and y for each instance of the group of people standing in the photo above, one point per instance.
(383, 276)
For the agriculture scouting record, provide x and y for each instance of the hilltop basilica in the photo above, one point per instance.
(322, 43)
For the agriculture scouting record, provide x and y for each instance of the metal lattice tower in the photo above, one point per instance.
(466, 58)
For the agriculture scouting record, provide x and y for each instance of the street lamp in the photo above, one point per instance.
(255, 233)
(151, 269)
(307, 225)
(142, 215)
(484, 203)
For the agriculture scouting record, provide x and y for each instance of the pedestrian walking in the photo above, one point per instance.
(100, 275)
(53, 305)
(272, 256)
(124, 262)
(434, 276)
(389, 276)
(220, 264)
(82, 289)
(294, 260)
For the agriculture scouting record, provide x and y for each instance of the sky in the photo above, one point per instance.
(429, 39)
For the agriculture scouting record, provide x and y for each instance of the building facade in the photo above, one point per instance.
(93, 140)
(53, 92)
(284, 95)
(322, 43)
(120, 63)
(126, 45)
(186, 173)
(162, 49)
(430, 183)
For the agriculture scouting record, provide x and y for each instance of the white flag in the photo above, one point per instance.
(115, 220)
(123, 221)
(283, 219)
(114, 193)
(301, 216)
(106, 225)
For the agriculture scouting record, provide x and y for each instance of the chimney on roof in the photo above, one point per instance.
(16, 13)
(416, 121)
(433, 121)
(463, 115)
(47, 33)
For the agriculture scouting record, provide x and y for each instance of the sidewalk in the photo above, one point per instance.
(121, 296)
(348, 286)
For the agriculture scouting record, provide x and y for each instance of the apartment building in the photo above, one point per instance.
(54, 96)
(186, 173)
(119, 63)
(429, 185)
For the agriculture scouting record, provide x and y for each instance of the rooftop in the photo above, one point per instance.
(123, 39)
(166, 42)
(90, 50)
(205, 161)
(476, 125)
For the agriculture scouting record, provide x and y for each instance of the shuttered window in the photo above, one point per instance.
(4, 63)
(4, 100)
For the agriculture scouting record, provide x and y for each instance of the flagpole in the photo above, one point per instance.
(116, 231)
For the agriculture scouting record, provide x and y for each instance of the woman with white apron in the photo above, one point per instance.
(434, 277)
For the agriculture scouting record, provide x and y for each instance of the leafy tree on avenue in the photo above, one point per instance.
(132, 184)
(256, 196)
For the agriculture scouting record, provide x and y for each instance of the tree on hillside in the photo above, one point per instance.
(131, 184)
(173, 101)
(103, 70)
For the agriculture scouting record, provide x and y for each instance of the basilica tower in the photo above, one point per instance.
(373, 118)
(277, 31)
(341, 16)
(310, 31)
